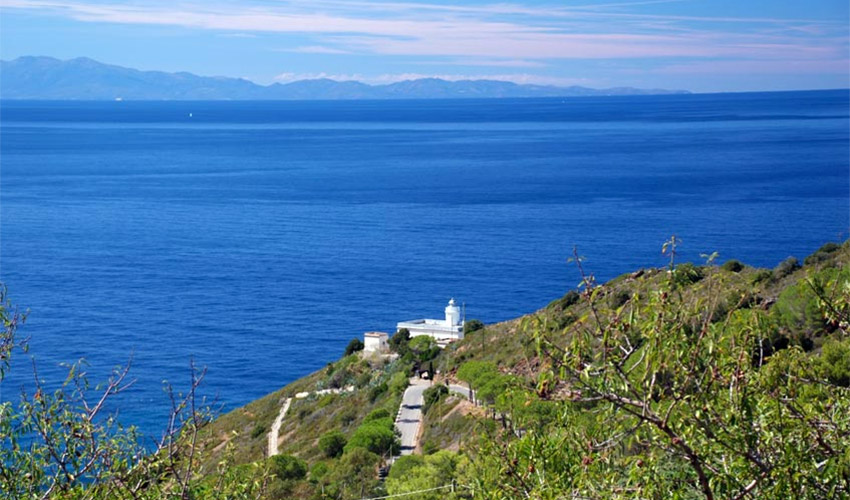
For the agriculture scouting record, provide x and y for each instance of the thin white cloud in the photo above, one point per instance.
(480, 33)
(785, 67)
(237, 35)
(497, 63)
(317, 49)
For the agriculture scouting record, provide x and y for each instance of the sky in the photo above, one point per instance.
(697, 45)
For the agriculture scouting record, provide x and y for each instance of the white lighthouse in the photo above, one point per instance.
(452, 314)
(443, 331)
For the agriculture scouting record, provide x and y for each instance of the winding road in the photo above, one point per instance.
(409, 416)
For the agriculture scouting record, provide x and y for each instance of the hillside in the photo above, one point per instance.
(710, 381)
(86, 79)
(520, 370)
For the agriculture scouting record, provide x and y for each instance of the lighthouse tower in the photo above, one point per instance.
(453, 314)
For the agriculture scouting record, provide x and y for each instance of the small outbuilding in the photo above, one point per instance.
(376, 342)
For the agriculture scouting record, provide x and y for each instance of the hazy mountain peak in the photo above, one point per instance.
(41, 77)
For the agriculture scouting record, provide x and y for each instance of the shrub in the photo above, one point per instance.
(377, 436)
(353, 346)
(258, 430)
(363, 379)
(687, 274)
(318, 471)
(432, 395)
(376, 391)
(472, 325)
(798, 311)
(732, 265)
(761, 275)
(834, 362)
(347, 416)
(398, 342)
(786, 267)
(618, 299)
(570, 298)
(332, 443)
(377, 415)
(822, 253)
(287, 467)
(399, 383)
(424, 348)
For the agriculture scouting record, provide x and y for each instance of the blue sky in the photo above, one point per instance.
(700, 45)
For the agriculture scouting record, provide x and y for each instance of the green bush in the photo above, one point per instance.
(287, 467)
(398, 342)
(732, 265)
(687, 274)
(432, 395)
(834, 361)
(424, 348)
(354, 346)
(399, 382)
(376, 391)
(570, 298)
(377, 436)
(332, 443)
(618, 299)
(762, 275)
(798, 311)
(786, 267)
(472, 325)
(318, 471)
(821, 254)
(377, 414)
(258, 431)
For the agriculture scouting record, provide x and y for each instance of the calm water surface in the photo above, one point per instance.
(260, 237)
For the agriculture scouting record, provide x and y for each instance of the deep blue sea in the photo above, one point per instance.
(260, 237)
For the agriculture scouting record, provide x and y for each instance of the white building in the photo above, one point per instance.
(443, 331)
(375, 342)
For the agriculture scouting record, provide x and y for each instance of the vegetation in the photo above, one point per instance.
(686, 382)
(354, 346)
(472, 326)
(432, 395)
(398, 342)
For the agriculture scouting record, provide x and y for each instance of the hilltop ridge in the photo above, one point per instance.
(38, 77)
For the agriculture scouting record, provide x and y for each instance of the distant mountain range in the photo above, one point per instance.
(87, 79)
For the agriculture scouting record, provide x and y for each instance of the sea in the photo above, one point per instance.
(256, 239)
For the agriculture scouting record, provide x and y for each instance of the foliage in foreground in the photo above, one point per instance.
(656, 399)
(670, 389)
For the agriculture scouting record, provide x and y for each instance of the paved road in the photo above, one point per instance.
(460, 389)
(410, 414)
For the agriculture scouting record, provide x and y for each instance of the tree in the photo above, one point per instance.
(424, 348)
(354, 346)
(398, 342)
(432, 395)
(332, 443)
(354, 476)
(415, 473)
(288, 468)
(472, 325)
(476, 373)
(378, 436)
(65, 444)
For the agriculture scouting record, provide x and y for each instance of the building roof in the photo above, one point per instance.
(376, 334)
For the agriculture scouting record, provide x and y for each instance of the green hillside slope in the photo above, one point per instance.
(529, 390)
